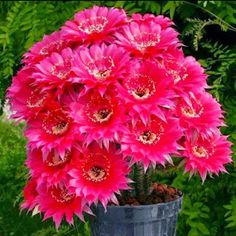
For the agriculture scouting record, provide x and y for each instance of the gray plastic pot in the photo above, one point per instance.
(145, 220)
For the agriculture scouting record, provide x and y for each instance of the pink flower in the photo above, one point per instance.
(199, 111)
(30, 193)
(100, 65)
(50, 43)
(163, 21)
(50, 168)
(100, 174)
(55, 71)
(146, 89)
(146, 39)
(94, 25)
(99, 118)
(206, 155)
(26, 100)
(151, 143)
(58, 202)
(53, 129)
(186, 72)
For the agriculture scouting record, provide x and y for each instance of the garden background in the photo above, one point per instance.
(207, 28)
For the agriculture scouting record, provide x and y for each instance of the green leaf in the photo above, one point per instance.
(231, 225)
(193, 232)
(201, 227)
(169, 7)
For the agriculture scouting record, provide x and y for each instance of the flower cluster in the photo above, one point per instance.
(103, 93)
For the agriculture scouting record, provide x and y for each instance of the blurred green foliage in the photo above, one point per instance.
(207, 28)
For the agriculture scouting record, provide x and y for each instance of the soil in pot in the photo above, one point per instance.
(159, 193)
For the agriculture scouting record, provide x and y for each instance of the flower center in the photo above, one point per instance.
(189, 112)
(61, 194)
(145, 40)
(177, 75)
(56, 124)
(54, 160)
(102, 115)
(148, 137)
(96, 174)
(141, 93)
(61, 70)
(96, 167)
(101, 69)
(194, 111)
(141, 86)
(200, 151)
(60, 127)
(36, 100)
(93, 24)
(150, 133)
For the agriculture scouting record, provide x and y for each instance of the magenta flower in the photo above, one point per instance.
(26, 100)
(207, 155)
(186, 72)
(58, 202)
(55, 71)
(94, 25)
(52, 167)
(49, 44)
(199, 111)
(53, 129)
(164, 22)
(100, 66)
(152, 143)
(145, 91)
(100, 174)
(99, 118)
(30, 194)
(146, 39)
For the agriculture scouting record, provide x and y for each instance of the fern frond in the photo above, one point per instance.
(196, 28)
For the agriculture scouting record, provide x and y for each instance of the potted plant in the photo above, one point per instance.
(107, 99)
